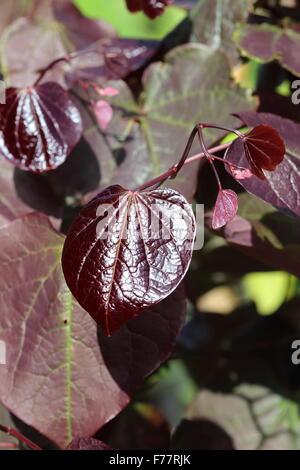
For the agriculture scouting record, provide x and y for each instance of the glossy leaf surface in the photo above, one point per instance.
(126, 251)
(39, 126)
(264, 149)
(279, 187)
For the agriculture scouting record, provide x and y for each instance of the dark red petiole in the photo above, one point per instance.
(20, 437)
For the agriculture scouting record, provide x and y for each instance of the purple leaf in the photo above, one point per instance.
(155, 141)
(151, 8)
(39, 126)
(29, 46)
(225, 209)
(11, 207)
(103, 112)
(267, 42)
(214, 23)
(138, 347)
(55, 379)
(280, 186)
(81, 31)
(264, 149)
(127, 251)
(87, 443)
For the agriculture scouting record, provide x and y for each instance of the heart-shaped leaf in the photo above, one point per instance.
(264, 149)
(39, 126)
(103, 112)
(266, 42)
(225, 209)
(279, 187)
(126, 251)
(56, 378)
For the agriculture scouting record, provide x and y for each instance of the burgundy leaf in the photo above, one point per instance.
(11, 207)
(151, 8)
(264, 149)
(139, 346)
(279, 188)
(55, 378)
(81, 31)
(127, 251)
(267, 42)
(225, 209)
(39, 126)
(112, 58)
(103, 112)
(87, 443)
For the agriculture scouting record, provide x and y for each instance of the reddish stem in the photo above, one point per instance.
(173, 170)
(66, 58)
(222, 128)
(20, 437)
(208, 153)
(52, 64)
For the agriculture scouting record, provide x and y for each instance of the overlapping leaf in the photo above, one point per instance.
(215, 21)
(138, 347)
(87, 443)
(268, 42)
(56, 379)
(11, 207)
(50, 340)
(39, 126)
(280, 188)
(151, 133)
(126, 251)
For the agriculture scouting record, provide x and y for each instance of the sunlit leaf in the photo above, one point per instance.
(39, 126)
(126, 251)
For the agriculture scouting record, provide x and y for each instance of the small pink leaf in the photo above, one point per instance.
(240, 173)
(103, 112)
(108, 91)
(225, 209)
